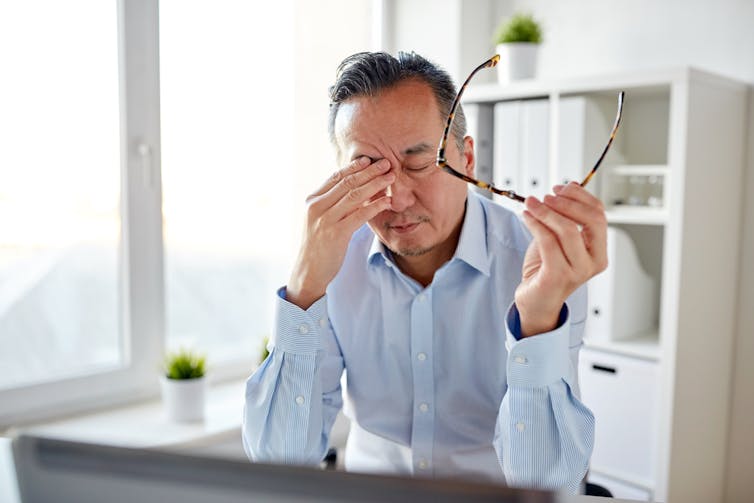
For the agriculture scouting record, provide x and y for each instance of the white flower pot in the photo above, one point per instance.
(517, 61)
(183, 398)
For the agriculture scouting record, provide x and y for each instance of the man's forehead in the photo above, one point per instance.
(398, 115)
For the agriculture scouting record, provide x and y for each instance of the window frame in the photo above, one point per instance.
(141, 296)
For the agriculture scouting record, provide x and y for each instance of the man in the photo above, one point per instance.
(459, 336)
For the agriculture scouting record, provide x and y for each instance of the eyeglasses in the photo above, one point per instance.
(442, 163)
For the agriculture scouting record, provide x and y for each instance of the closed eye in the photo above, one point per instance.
(417, 169)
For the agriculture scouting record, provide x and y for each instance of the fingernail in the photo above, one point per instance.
(383, 165)
(548, 199)
(363, 161)
(557, 188)
(532, 202)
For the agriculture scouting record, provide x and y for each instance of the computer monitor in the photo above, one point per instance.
(60, 471)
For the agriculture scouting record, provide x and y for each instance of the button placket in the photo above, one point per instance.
(422, 327)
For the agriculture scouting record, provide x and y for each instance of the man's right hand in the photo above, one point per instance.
(348, 199)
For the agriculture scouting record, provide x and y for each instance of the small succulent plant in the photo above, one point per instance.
(184, 364)
(519, 28)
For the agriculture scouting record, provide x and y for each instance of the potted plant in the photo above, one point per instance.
(183, 385)
(517, 41)
(264, 352)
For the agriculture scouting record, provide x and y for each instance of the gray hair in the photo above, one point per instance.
(368, 73)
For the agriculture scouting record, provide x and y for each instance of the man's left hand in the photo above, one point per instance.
(569, 247)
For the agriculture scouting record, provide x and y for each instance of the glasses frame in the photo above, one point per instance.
(442, 162)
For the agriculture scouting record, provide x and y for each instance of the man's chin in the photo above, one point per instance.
(409, 249)
(412, 252)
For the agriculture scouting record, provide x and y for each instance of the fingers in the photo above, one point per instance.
(350, 178)
(366, 212)
(575, 191)
(580, 205)
(566, 231)
(352, 168)
(549, 247)
(360, 196)
(590, 216)
(577, 220)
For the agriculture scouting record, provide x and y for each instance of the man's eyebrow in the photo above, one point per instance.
(419, 148)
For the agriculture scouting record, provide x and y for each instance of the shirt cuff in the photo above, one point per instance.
(296, 330)
(538, 360)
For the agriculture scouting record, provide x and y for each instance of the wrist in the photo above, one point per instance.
(533, 322)
(301, 297)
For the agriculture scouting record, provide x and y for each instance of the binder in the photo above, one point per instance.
(622, 298)
(521, 148)
(480, 127)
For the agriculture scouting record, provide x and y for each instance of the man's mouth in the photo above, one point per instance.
(405, 228)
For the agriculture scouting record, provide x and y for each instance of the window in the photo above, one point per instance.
(226, 82)
(154, 164)
(59, 190)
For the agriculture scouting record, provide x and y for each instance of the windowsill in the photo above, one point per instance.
(145, 425)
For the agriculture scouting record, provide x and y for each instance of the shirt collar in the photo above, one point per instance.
(472, 243)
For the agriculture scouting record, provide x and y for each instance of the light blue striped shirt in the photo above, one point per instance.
(437, 382)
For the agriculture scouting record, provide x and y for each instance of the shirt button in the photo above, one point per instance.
(300, 400)
(423, 407)
(303, 329)
(423, 464)
(420, 297)
(421, 357)
(323, 322)
(520, 359)
(520, 426)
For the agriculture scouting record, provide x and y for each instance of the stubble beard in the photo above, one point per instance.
(412, 251)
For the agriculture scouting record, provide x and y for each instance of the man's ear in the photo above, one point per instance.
(468, 156)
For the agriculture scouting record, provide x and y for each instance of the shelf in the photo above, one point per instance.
(144, 425)
(640, 169)
(641, 215)
(646, 346)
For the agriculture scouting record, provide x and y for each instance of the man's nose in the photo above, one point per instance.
(401, 191)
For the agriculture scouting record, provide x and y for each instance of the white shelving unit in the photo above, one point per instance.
(682, 133)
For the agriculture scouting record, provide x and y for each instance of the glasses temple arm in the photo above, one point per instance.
(441, 150)
(609, 141)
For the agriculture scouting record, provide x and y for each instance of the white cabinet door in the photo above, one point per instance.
(621, 392)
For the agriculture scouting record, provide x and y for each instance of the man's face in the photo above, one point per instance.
(403, 124)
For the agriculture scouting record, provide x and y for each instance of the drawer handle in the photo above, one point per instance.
(602, 368)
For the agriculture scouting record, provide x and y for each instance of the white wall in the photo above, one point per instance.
(600, 36)
(597, 36)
